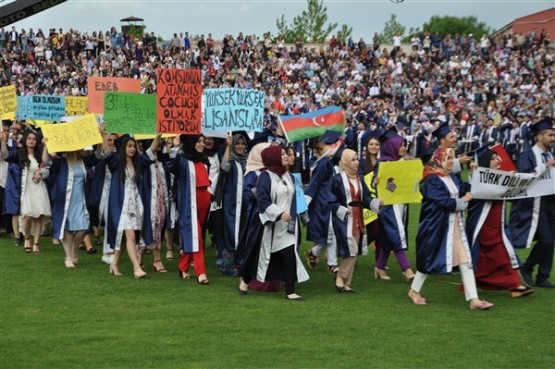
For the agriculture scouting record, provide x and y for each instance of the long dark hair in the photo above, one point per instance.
(122, 158)
(37, 151)
(368, 165)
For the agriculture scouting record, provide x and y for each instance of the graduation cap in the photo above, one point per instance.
(330, 137)
(479, 151)
(542, 125)
(6, 123)
(390, 133)
(441, 131)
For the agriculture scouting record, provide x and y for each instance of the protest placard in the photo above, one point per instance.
(72, 136)
(40, 107)
(398, 181)
(76, 105)
(368, 215)
(98, 86)
(8, 100)
(130, 113)
(140, 137)
(231, 109)
(492, 184)
(23, 108)
(302, 206)
(179, 96)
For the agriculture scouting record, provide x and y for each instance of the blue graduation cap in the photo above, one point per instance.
(542, 125)
(441, 131)
(6, 123)
(330, 137)
(390, 133)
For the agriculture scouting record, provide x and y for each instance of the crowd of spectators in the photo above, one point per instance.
(455, 78)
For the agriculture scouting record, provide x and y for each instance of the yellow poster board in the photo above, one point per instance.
(398, 182)
(8, 100)
(72, 136)
(76, 105)
(368, 215)
(9, 116)
(140, 137)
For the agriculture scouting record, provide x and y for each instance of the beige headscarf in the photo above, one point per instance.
(346, 163)
(254, 161)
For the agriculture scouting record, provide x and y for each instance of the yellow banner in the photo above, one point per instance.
(9, 116)
(399, 182)
(368, 215)
(76, 105)
(72, 136)
(8, 100)
(140, 137)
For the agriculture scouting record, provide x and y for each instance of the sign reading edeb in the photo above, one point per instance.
(99, 85)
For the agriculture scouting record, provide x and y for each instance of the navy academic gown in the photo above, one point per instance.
(524, 218)
(232, 198)
(147, 189)
(60, 187)
(343, 225)
(434, 241)
(185, 192)
(319, 209)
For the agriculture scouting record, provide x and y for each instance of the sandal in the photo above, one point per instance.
(169, 255)
(333, 269)
(36, 249)
(202, 281)
(184, 275)
(27, 247)
(311, 259)
(162, 269)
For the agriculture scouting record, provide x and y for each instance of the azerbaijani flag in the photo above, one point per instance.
(313, 124)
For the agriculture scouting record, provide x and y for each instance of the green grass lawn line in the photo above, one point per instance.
(53, 317)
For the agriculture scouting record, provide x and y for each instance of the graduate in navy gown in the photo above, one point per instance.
(351, 196)
(12, 191)
(124, 216)
(70, 217)
(278, 258)
(319, 199)
(155, 198)
(441, 241)
(533, 218)
(393, 219)
(193, 203)
(232, 170)
(495, 260)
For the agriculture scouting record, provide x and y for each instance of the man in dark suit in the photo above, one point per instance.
(534, 218)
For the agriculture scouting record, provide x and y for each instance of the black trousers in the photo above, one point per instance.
(283, 267)
(543, 250)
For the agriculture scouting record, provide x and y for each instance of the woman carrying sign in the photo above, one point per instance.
(193, 202)
(70, 218)
(232, 170)
(393, 219)
(441, 242)
(124, 216)
(492, 252)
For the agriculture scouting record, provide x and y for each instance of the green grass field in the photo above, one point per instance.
(52, 317)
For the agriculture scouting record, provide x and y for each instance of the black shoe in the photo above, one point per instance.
(526, 278)
(521, 292)
(92, 250)
(546, 283)
(340, 289)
